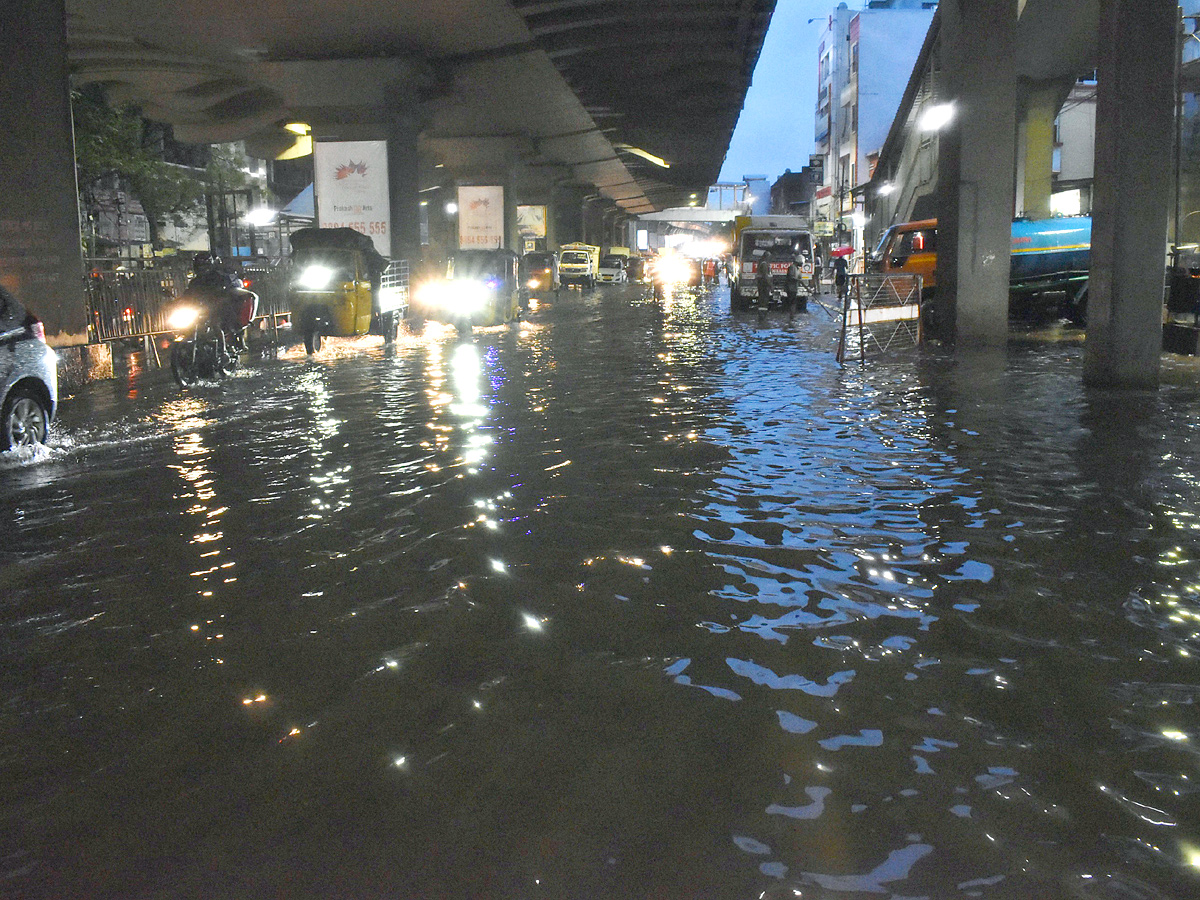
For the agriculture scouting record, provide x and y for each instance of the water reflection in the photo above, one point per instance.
(637, 599)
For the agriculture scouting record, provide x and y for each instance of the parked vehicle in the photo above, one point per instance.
(779, 238)
(579, 264)
(612, 270)
(480, 287)
(28, 377)
(1049, 257)
(540, 272)
(338, 287)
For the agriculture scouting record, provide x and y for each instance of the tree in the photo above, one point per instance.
(116, 142)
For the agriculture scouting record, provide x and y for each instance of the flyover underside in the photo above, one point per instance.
(564, 87)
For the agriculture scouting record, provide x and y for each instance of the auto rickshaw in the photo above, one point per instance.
(539, 272)
(337, 288)
(480, 288)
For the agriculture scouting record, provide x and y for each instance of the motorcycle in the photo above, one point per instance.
(208, 333)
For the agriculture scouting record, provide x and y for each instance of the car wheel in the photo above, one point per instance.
(26, 420)
(313, 339)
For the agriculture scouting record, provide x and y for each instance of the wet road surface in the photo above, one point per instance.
(637, 599)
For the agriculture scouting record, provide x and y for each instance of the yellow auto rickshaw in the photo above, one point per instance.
(337, 287)
(481, 287)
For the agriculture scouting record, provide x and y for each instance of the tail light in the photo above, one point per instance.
(38, 329)
(246, 283)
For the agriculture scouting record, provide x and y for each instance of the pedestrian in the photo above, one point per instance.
(841, 277)
(762, 280)
(792, 285)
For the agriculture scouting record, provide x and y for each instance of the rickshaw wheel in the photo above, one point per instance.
(313, 339)
(390, 327)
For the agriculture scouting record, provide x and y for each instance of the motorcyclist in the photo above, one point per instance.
(234, 304)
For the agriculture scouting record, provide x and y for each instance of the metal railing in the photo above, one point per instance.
(135, 302)
(879, 312)
(130, 302)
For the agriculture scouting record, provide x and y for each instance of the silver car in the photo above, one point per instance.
(28, 376)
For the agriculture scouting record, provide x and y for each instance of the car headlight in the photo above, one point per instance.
(183, 318)
(466, 296)
(315, 278)
(533, 282)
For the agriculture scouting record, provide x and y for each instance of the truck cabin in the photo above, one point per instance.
(783, 247)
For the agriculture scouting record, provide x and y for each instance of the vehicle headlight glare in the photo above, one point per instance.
(183, 317)
(316, 278)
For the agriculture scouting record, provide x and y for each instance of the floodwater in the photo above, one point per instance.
(639, 599)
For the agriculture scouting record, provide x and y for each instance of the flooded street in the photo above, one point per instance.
(639, 599)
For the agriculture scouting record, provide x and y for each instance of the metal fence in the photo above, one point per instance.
(878, 313)
(135, 302)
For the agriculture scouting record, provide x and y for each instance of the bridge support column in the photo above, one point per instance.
(976, 170)
(512, 239)
(1134, 136)
(1038, 152)
(404, 182)
(41, 261)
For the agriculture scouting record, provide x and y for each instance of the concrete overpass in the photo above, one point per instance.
(571, 103)
(1004, 67)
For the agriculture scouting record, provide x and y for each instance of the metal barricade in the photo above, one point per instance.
(394, 287)
(879, 312)
(126, 303)
(135, 302)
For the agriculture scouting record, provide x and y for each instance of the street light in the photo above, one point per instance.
(936, 117)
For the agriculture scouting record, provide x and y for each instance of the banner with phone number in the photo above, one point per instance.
(351, 185)
(481, 217)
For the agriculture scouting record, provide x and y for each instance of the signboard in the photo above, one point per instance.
(351, 185)
(531, 221)
(481, 217)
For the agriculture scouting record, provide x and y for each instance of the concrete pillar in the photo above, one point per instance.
(976, 169)
(1041, 109)
(41, 260)
(552, 221)
(512, 239)
(1132, 191)
(404, 182)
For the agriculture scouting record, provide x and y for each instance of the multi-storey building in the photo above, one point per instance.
(864, 61)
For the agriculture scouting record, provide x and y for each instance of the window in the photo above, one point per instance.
(854, 58)
(911, 242)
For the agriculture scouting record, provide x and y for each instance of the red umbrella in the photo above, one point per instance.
(840, 251)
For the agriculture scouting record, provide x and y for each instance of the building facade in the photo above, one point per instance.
(864, 61)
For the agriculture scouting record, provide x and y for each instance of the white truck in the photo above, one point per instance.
(782, 239)
(578, 264)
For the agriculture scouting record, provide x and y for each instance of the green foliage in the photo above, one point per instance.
(117, 141)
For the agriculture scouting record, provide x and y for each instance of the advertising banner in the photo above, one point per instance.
(531, 221)
(351, 184)
(481, 217)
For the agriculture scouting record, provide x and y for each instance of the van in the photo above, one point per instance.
(909, 248)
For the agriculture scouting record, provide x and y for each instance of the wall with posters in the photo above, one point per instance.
(481, 217)
(351, 185)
